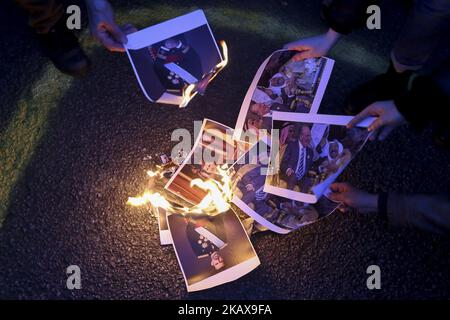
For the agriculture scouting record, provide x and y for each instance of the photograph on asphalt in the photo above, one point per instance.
(211, 250)
(314, 151)
(164, 233)
(274, 212)
(222, 150)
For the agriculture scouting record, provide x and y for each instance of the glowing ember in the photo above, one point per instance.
(191, 90)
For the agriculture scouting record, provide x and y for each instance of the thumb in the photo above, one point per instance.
(117, 33)
(340, 197)
(335, 187)
(376, 124)
(359, 117)
(338, 190)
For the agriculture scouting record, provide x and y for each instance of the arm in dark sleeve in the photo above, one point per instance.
(249, 177)
(427, 212)
(343, 16)
(241, 185)
(426, 100)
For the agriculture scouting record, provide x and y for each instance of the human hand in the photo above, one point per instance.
(353, 197)
(388, 118)
(314, 46)
(104, 28)
(289, 171)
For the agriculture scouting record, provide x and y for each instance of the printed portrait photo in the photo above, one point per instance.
(211, 250)
(286, 84)
(312, 151)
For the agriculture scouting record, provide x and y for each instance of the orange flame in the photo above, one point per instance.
(189, 92)
(155, 199)
(216, 200)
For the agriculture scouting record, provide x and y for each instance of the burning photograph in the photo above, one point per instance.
(274, 212)
(214, 151)
(313, 150)
(211, 250)
(179, 61)
(283, 83)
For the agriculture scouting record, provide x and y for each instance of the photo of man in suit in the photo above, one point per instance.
(207, 237)
(298, 160)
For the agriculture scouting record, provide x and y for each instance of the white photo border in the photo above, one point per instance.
(165, 238)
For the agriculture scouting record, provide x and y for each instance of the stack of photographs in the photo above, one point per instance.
(285, 187)
(280, 158)
(211, 250)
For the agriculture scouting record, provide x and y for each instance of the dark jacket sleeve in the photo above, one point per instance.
(343, 16)
(424, 101)
(249, 177)
(427, 212)
(285, 162)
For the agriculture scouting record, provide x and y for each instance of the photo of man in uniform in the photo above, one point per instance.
(176, 63)
(165, 68)
(211, 250)
(207, 239)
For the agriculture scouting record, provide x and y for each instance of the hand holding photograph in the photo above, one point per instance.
(313, 151)
(175, 58)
